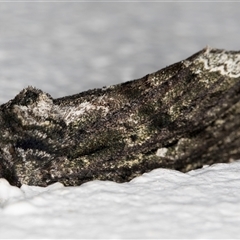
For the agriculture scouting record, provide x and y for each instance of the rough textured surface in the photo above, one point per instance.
(181, 117)
(161, 204)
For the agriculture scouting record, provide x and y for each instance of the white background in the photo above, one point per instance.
(65, 48)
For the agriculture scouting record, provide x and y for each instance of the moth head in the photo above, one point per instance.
(32, 106)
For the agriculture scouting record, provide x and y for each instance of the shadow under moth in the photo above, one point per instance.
(181, 117)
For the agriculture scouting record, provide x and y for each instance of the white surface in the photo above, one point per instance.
(65, 48)
(204, 203)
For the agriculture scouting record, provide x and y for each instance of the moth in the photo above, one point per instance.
(181, 117)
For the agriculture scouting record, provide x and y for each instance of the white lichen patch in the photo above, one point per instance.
(43, 106)
(221, 61)
(73, 113)
(161, 152)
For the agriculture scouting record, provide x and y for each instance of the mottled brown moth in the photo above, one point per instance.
(181, 117)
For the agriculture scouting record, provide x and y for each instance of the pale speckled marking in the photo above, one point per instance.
(6, 151)
(161, 152)
(227, 64)
(71, 114)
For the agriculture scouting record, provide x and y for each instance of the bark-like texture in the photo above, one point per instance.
(181, 117)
